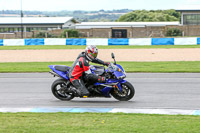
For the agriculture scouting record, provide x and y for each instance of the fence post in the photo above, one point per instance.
(88, 34)
(109, 35)
(130, 34)
(67, 35)
(46, 35)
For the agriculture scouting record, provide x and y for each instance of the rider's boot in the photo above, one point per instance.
(80, 88)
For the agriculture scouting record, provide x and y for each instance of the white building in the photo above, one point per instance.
(123, 29)
(15, 24)
(90, 25)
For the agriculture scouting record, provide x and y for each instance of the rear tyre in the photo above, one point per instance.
(127, 93)
(59, 90)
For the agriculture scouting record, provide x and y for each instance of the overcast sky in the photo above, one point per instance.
(58, 5)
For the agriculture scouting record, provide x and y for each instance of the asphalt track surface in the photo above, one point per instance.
(153, 91)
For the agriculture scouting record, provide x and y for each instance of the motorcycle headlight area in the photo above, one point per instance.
(120, 74)
(114, 68)
(122, 77)
(120, 70)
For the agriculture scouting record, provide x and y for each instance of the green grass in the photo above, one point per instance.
(162, 67)
(97, 123)
(100, 47)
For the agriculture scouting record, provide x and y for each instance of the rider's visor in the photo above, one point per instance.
(94, 54)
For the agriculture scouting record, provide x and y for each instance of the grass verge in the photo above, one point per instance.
(100, 47)
(153, 67)
(96, 123)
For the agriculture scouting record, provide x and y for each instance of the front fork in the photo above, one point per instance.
(118, 87)
(106, 90)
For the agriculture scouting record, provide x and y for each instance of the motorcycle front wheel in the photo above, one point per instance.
(126, 94)
(58, 89)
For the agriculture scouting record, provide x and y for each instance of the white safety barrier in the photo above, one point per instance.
(104, 110)
(101, 41)
(140, 41)
(55, 41)
(13, 42)
(98, 41)
(185, 41)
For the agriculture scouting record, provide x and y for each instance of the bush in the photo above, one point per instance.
(42, 35)
(71, 33)
(173, 32)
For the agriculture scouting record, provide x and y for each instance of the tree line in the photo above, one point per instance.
(108, 15)
(80, 15)
(150, 16)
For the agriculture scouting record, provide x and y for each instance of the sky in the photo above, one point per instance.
(93, 5)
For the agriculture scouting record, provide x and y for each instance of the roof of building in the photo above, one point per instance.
(35, 20)
(188, 8)
(89, 25)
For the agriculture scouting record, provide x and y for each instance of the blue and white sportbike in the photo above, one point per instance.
(115, 84)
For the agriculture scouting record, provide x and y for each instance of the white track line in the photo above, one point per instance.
(105, 110)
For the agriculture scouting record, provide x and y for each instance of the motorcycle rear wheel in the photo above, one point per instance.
(58, 90)
(127, 93)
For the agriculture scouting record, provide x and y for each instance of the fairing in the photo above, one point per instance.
(60, 73)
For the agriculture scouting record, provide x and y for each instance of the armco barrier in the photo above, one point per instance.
(118, 41)
(13, 42)
(198, 40)
(98, 41)
(140, 41)
(186, 41)
(34, 41)
(76, 41)
(53, 41)
(101, 41)
(1, 42)
(162, 41)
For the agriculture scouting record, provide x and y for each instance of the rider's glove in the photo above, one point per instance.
(106, 63)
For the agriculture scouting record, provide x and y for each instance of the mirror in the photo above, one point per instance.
(113, 56)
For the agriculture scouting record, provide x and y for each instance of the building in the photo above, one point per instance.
(124, 29)
(11, 27)
(190, 16)
(189, 25)
(14, 25)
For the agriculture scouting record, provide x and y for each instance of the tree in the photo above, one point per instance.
(71, 33)
(43, 34)
(173, 32)
(150, 16)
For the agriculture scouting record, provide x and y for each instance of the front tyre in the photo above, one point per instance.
(59, 90)
(127, 93)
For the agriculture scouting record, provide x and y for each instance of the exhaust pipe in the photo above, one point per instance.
(54, 74)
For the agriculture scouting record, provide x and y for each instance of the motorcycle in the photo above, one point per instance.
(115, 85)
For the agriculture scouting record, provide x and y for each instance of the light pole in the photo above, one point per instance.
(21, 21)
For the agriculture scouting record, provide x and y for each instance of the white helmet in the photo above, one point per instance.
(91, 52)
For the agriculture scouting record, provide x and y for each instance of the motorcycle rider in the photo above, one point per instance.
(81, 65)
